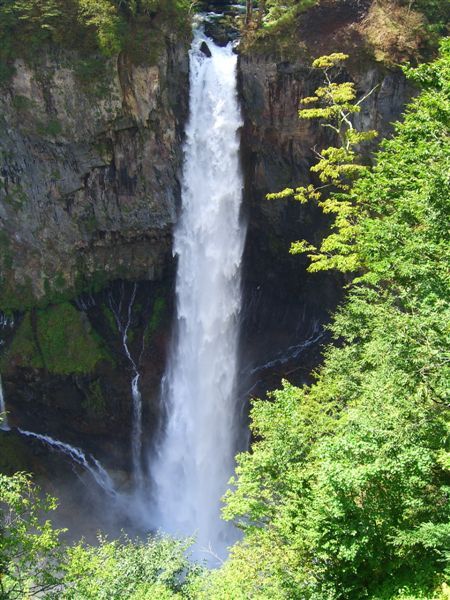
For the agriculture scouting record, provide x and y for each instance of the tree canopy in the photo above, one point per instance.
(346, 492)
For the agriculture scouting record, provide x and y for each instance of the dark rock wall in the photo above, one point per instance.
(92, 408)
(89, 192)
(89, 172)
(284, 304)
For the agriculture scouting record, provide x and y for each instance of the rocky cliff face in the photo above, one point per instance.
(284, 304)
(89, 177)
(90, 161)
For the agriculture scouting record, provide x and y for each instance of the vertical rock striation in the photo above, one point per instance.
(89, 171)
(284, 304)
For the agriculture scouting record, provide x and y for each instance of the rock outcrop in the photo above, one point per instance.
(283, 303)
(89, 176)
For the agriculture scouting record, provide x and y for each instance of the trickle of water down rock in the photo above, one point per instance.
(195, 457)
(4, 426)
(77, 456)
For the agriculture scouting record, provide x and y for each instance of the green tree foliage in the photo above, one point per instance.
(346, 491)
(337, 167)
(104, 17)
(108, 26)
(436, 11)
(34, 562)
(124, 569)
(30, 550)
(270, 13)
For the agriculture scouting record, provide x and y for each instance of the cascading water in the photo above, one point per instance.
(3, 414)
(196, 456)
(136, 428)
(77, 456)
(6, 321)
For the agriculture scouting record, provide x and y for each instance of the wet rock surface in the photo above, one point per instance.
(94, 410)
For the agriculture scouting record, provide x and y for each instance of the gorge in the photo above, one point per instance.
(152, 292)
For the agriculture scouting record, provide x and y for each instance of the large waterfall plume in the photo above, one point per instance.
(195, 458)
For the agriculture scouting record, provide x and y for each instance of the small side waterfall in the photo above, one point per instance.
(136, 429)
(6, 322)
(77, 456)
(3, 415)
(196, 455)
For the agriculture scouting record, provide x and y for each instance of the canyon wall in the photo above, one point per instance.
(283, 303)
(89, 189)
(91, 154)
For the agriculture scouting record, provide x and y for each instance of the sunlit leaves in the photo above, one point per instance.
(355, 498)
(337, 167)
(30, 551)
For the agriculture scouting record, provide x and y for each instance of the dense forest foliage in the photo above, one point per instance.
(269, 10)
(345, 493)
(105, 27)
(423, 21)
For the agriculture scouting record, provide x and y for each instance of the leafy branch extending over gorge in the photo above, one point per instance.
(336, 168)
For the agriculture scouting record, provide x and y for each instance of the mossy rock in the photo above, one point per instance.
(158, 315)
(58, 339)
(14, 455)
(95, 402)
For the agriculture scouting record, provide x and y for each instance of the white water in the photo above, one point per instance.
(3, 415)
(5, 322)
(136, 428)
(196, 456)
(291, 353)
(77, 456)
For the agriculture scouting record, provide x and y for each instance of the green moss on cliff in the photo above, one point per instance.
(109, 317)
(23, 350)
(95, 401)
(158, 314)
(58, 339)
(94, 29)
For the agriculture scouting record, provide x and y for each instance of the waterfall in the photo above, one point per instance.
(195, 457)
(77, 456)
(136, 428)
(4, 423)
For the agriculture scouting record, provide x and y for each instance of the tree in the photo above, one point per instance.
(345, 493)
(249, 11)
(337, 166)
(156, 568)
(34, 562)
(30, 549)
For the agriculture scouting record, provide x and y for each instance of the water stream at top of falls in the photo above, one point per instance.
(195, 457)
